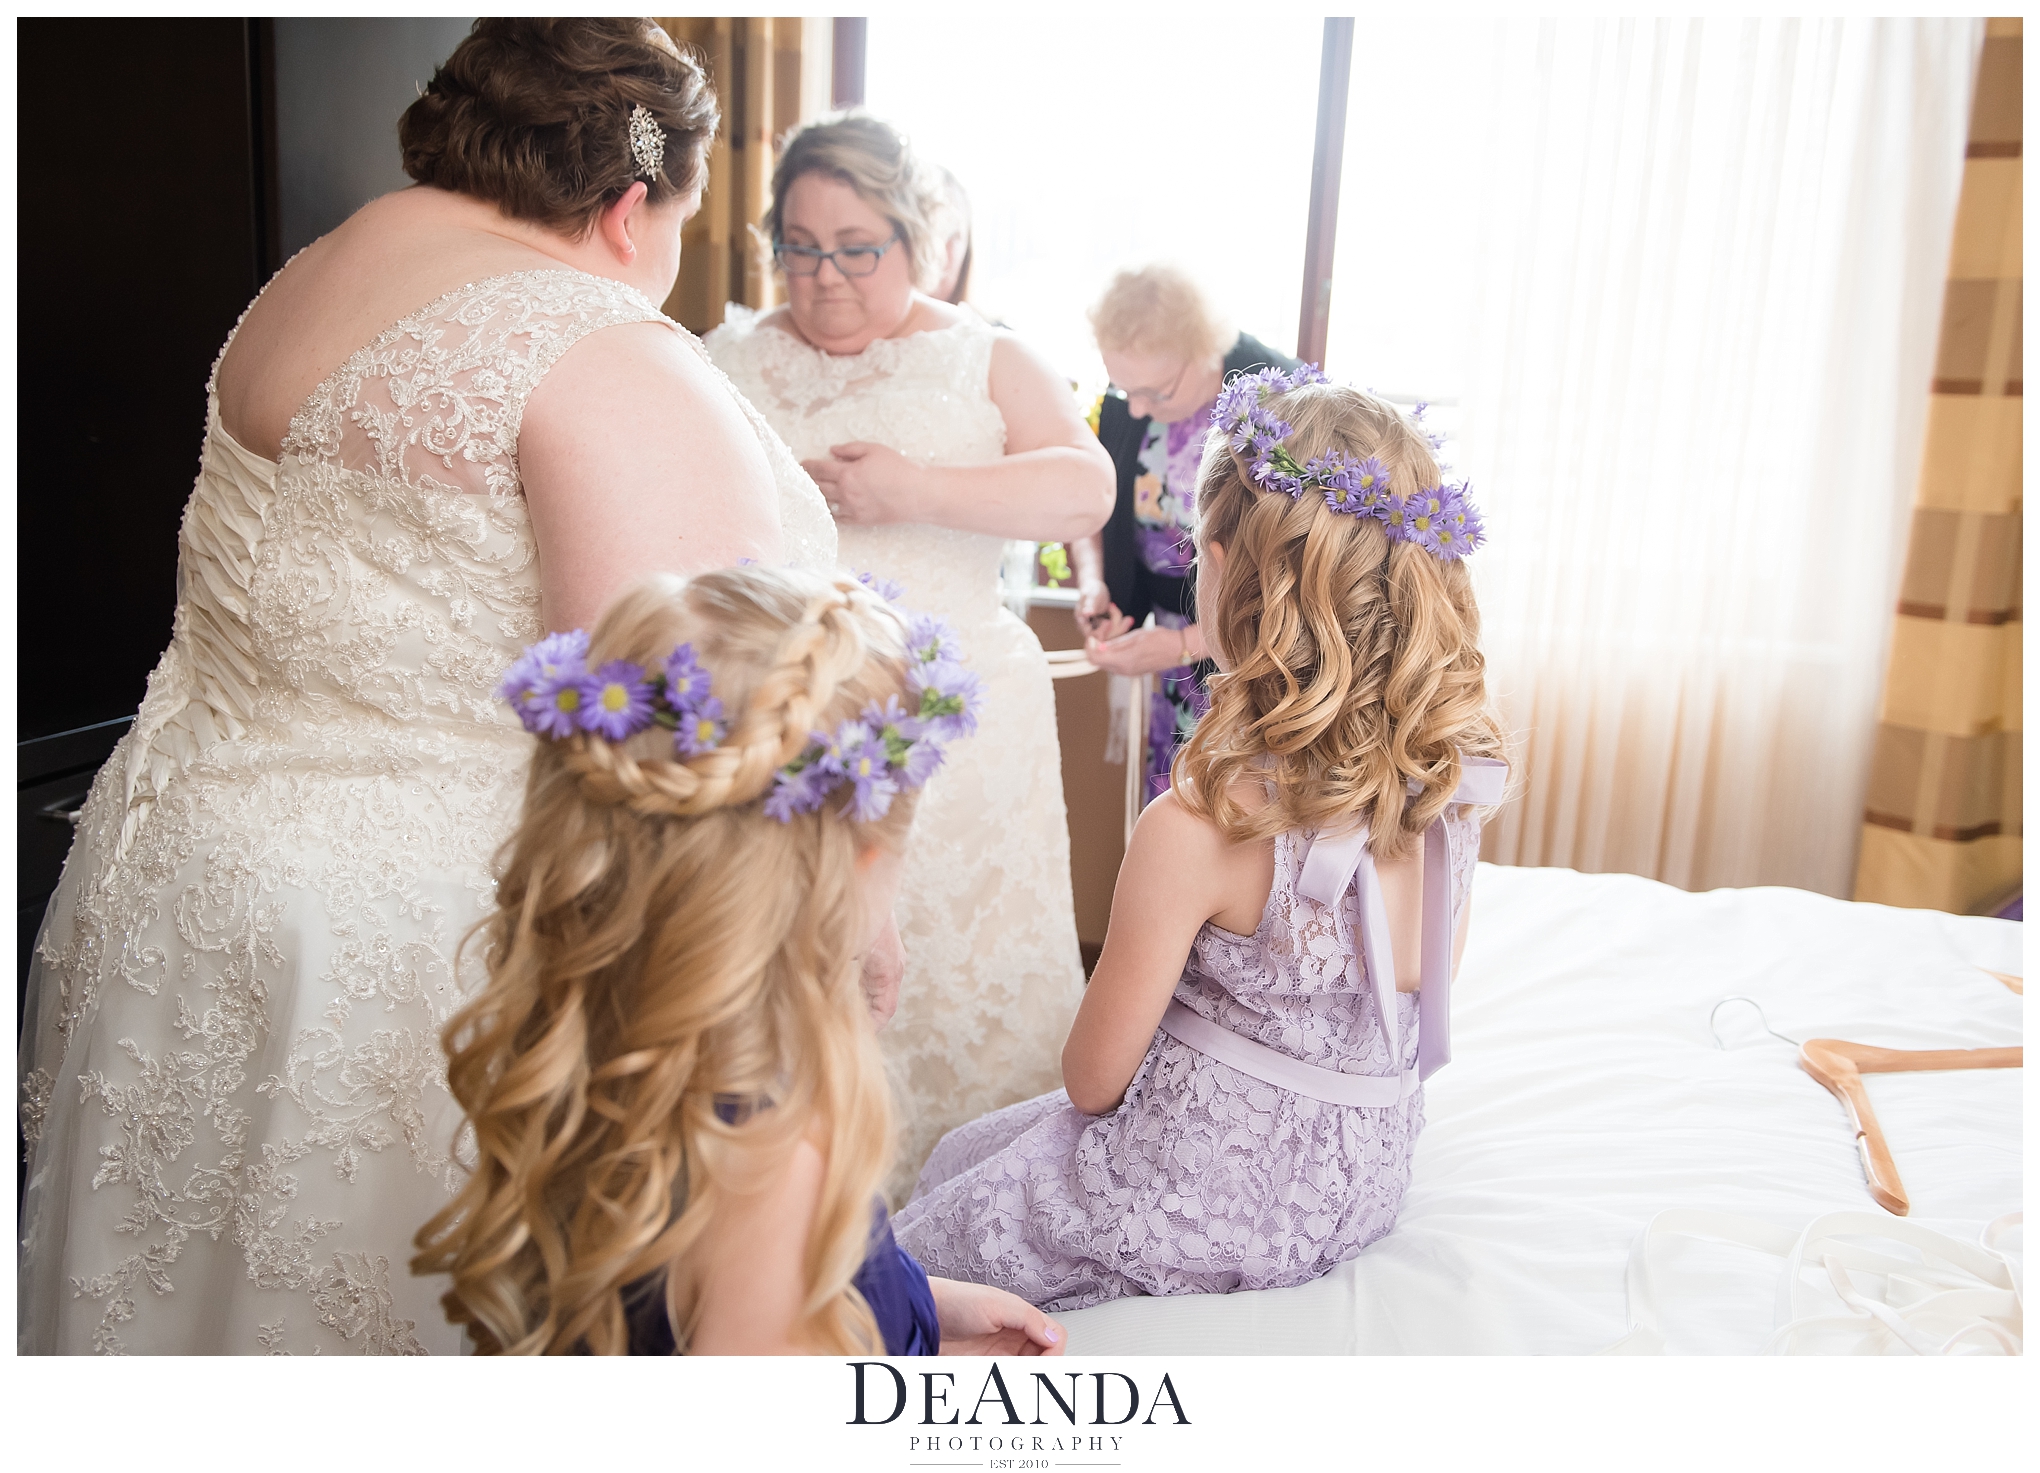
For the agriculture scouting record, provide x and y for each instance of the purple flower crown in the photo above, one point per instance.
(1440, 519)
(877, 754)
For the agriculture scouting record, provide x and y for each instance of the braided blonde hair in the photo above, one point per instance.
(660, 944)
(1354, 664)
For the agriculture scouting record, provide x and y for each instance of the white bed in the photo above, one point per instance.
(1586, 1095)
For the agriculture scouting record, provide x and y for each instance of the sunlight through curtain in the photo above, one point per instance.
(1705, 303)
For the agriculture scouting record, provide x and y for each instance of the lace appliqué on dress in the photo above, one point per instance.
(231, 1057)
(1205, 1179)
(993, 976)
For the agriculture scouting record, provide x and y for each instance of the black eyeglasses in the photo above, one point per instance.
(857, 260)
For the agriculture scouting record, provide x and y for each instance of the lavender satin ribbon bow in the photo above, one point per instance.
(1335, 862)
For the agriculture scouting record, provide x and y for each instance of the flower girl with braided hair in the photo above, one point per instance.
(679, 1116)
(1243, 1080)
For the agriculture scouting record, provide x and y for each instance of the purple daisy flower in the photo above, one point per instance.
(919, 762)
(904, 735)
(550, 707)
(1370, 479)
(931, 638)
(950, 698)
(884, 587)
(892, 713)
(686, 681)
(1448, 541)
(552, 658)
(616, 701)
(701, 727)
(556, 652)
(800, 787)
(1475, 528)
(1460, 529)
(859, 755)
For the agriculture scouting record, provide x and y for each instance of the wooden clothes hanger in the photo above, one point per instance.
(1840, 1066)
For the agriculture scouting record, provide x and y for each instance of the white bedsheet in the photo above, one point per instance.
(1586, 1095)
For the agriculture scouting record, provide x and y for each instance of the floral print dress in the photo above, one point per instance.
(1164, 515)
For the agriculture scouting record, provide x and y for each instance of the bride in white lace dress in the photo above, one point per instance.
(232, 1079)
(936, 438)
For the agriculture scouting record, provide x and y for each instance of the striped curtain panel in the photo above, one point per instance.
(1942, 812)
(770, 75)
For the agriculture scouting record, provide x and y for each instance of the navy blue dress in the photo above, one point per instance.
(891, 1282)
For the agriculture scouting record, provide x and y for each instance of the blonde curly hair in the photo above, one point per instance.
(1353, 663)
(661, 947)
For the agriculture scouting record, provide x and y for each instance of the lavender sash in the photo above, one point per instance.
(1334, 864)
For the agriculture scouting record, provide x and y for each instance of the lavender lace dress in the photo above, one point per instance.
(1205, 1179)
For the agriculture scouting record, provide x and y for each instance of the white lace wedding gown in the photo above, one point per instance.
(993, 977)
(232, 1079)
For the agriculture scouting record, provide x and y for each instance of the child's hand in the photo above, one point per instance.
(978, 1320)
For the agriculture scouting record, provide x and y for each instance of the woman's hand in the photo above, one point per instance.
(1144, 651)
(977, 1320)
(868, 484)
(1097, 616)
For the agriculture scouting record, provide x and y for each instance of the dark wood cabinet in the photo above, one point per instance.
(146, 222)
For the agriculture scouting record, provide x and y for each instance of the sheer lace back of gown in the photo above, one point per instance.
(232, 1075)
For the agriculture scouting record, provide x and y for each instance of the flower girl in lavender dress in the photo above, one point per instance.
(1243, 1080)
(679, 1116)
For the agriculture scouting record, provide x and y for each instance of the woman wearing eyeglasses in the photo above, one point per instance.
(1167, 350)
(936, 438)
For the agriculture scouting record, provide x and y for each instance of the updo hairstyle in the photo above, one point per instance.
(873, 158)
(533, 115)
(1161, 309)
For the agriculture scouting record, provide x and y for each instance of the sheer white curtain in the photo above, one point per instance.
(1707, 289)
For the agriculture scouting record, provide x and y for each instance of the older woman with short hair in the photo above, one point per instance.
(936, 438)
(1167, 349)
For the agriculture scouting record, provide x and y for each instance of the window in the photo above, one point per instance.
(1111, 143)
(1403, 268)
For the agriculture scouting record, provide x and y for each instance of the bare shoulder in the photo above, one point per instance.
(932, 314)
(1040, 406)
(1231, 880)
(1171, 832)
(1017, 360)
(630, 369)
(751, 1254)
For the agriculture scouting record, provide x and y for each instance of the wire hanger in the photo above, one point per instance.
(1766, 1022)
